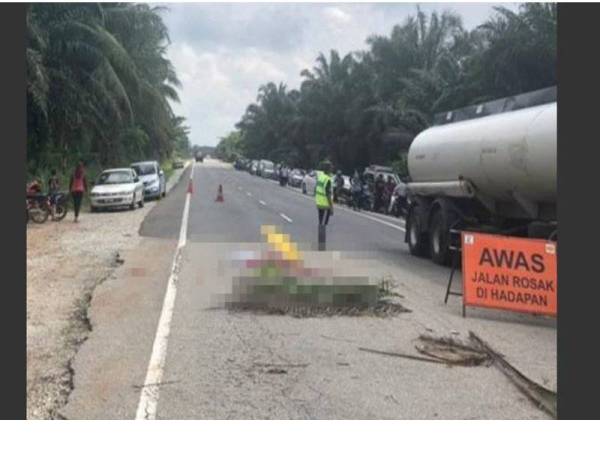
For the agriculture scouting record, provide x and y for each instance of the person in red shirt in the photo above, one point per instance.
(78, 186)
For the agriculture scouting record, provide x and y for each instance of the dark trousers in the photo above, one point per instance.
(77, 196)
(324, 216)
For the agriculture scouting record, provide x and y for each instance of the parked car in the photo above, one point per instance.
(240, 164)
(153, 178)
(267, 168)
(178, 164)
(372, 172)
(117, 188)
(253, 167)
(296, 177)
(309, 183)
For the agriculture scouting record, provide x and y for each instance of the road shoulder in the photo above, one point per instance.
(66, 261)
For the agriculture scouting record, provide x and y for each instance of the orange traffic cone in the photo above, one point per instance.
(220, 194)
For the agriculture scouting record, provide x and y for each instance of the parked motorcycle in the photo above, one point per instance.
(398, 206)
(36, 207)
(364, 199)
(59, 202)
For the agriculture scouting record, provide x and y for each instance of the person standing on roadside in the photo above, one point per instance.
(324, 193)
(379, 190)
(53, 187)
(78, 186)
(357, 187)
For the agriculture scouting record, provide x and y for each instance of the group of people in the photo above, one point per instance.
(382, 190)
(77, 187)
(328, 189)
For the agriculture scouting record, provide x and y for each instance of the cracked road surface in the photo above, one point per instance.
(226, 365)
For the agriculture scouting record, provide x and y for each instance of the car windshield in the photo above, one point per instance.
(144, 169)
(120, 177)
(267, 165)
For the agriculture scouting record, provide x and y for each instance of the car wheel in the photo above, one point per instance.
(304, 188)
(141, 202)
(132, 206)
(164, 192)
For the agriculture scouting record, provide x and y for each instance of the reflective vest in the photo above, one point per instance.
(320, 194)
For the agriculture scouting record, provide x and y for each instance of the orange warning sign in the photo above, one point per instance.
(502, 272)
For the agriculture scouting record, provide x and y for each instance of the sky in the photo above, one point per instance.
(223, 52)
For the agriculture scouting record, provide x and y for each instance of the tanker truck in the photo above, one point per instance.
(488, 168)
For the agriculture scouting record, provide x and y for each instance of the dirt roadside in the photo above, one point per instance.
(65, 263)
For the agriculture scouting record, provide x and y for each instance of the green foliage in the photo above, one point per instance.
(366, 107)
(98, 86)
(229, 148)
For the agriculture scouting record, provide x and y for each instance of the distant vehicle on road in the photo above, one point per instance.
(153, 178)
(116, 188)
(309, 183)
(199, 156)
(267, 168)
(178, 164)
(296, 177)
(240, 164)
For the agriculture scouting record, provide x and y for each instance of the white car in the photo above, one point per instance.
(309, 183)
(266, 168)
(117, 188)
(296, 177)
(153, 178)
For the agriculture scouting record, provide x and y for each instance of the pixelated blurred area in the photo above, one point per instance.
(281, 278)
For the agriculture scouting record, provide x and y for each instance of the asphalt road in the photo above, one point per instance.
(221, 364)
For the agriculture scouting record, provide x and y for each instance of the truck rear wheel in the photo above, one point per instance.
(439, 235)
(417, 240)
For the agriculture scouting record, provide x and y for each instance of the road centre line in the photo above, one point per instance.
(262, 202)
(248, 194)
(150, 390)
(285, 217)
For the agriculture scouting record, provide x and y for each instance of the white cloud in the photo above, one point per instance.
(337, 15)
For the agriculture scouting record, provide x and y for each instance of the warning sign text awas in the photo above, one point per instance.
(509, 273)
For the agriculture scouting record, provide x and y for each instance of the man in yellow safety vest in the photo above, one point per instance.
(324, 193)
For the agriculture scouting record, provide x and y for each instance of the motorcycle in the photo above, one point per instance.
(59, 202)
(362, 199)
(36, 208)
(398, 206)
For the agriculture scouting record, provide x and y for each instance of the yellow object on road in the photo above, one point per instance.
(281, 243)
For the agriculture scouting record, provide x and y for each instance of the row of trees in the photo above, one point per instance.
(366, 107)
(99, 85)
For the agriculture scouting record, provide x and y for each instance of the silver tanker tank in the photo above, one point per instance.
(507, 157)
(495, 173)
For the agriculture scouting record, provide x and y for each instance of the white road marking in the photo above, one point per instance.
(285, 217)
(374, 219)
(248, 194)
(150, 391)
(262, 203)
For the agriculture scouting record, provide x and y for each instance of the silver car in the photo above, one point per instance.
(117, 188)
(153, 178)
